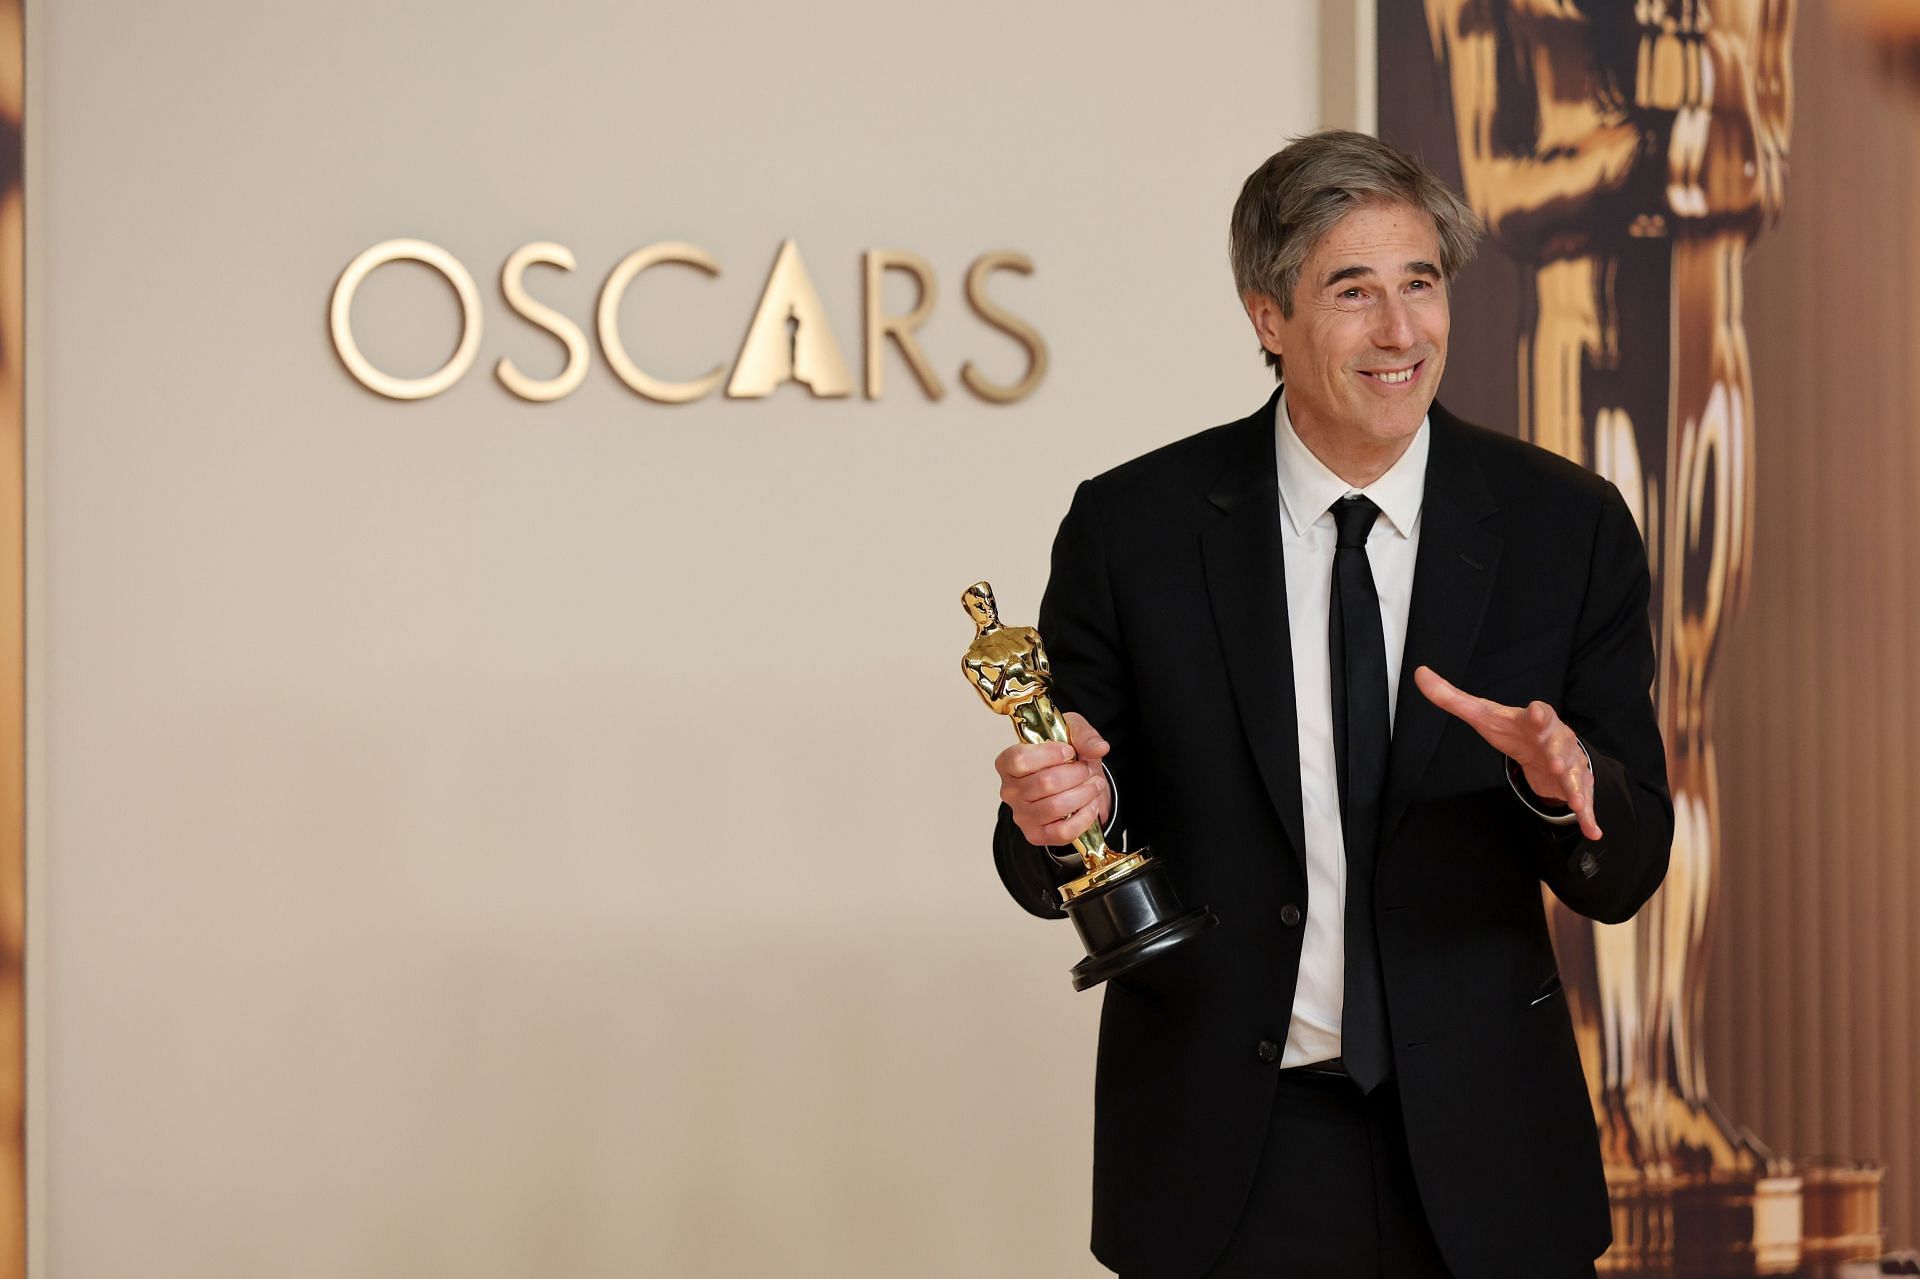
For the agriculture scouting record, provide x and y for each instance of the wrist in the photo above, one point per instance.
(1545, 807)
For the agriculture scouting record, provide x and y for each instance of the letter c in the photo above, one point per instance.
(609, 322)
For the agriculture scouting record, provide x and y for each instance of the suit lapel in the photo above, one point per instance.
(1453, 578)
(1246, 584)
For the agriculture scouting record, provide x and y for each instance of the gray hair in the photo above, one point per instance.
(1289, 203)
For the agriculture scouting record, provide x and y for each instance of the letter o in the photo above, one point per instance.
(340, 318)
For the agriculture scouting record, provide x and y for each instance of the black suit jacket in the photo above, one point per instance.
(1166, 622)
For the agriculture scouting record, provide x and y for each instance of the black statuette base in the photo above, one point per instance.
(1130, 921)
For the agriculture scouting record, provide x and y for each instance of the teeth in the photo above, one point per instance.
(1404, 375)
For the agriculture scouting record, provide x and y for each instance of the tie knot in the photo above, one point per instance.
(1353, 517)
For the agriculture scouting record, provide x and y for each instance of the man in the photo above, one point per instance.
(1262, 635)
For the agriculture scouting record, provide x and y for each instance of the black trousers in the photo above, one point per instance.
(1334, 1197)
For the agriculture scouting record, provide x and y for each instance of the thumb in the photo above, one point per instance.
(1438, 690)
(1087, 742)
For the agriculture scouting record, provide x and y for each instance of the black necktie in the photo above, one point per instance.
(1358, 655)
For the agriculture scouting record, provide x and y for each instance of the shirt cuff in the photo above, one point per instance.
(1113, 793)
(1517, 780)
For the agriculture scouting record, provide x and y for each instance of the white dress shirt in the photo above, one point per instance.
(1308, 491)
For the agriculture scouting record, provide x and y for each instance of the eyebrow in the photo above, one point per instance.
(1360, 271)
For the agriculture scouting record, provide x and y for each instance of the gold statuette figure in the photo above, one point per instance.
(1122, 904)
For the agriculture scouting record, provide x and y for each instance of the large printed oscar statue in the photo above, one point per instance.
(1626, 156)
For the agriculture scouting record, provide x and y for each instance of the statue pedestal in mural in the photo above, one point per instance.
(1729, 1223)
(1706, 1227)
(1813, 1220)
(1806, 1220)
(1840, 1214)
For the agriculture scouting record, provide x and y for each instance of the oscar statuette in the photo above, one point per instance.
(1122, 903)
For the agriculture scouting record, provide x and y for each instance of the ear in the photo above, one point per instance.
(1266, 317)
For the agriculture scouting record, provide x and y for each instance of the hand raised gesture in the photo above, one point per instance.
(1532, 736)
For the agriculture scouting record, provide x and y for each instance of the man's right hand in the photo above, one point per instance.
(1057, 792)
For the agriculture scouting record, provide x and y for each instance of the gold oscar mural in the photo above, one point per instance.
(1625, 157)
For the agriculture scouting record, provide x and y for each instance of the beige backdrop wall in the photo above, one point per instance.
(473, 837)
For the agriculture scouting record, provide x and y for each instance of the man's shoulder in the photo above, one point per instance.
(1520, 471)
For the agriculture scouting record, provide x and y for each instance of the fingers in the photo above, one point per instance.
(1028, 758)
(1491, 720)
(1053, 806)
(1087, 742)
(1437, 689)
(1555, 765)
(1589, 824)
(1054, 795)
(1554, 747)
(1569, 761)
(1443, 694)
(1577, 779)
(1065, 831)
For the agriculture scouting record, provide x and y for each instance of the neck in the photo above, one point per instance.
(1359, 464)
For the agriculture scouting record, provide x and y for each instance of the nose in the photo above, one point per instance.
(1393, 324)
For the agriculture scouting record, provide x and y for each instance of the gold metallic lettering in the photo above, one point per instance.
(340, 319)
(513, 284)
(1019, 330)
(609, 322)
(789, 338)
(880, 326)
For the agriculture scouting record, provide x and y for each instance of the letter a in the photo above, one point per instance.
(789, 339)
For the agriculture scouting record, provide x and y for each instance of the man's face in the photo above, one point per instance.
(1367, 340)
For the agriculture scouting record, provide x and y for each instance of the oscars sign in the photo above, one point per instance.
(788, 339)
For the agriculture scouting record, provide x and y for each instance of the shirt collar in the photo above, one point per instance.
(1308, 488)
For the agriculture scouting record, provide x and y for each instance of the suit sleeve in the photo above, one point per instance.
(1080, 627)
(1608, 702)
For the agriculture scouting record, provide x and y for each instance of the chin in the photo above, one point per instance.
(1397, 425)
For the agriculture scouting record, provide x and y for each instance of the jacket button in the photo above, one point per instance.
(1589, 865)
(1290, 915)
(1269, 1051)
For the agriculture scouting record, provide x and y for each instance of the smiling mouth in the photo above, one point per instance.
(1394, 377)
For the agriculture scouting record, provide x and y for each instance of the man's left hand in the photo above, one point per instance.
(1532, 736)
